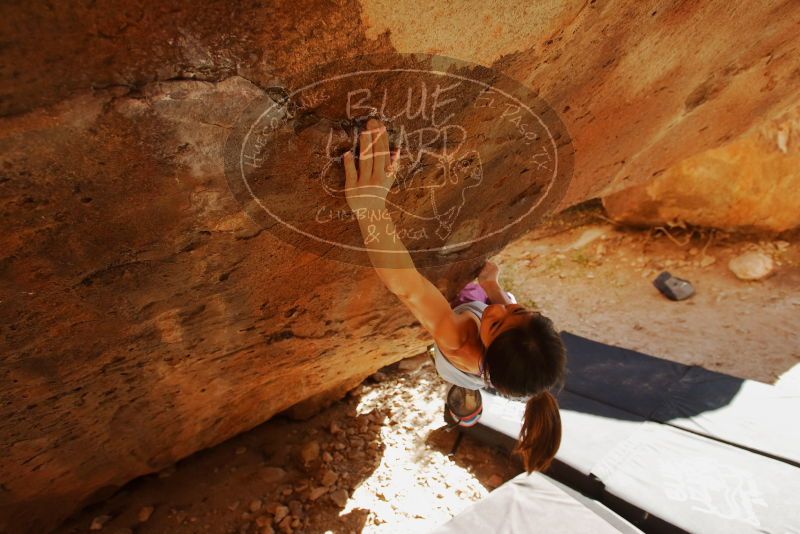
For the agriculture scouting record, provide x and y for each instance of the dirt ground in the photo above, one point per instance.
(595, 280)
(379, 460)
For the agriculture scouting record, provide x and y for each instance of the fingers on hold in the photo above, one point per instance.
(381, 151)
(383, 146)
(379, 135)
(350, 174)
(364, 142)
(365, 155)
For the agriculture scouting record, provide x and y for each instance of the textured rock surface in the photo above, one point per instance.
(640, 85)
(144, 317)
(750, 183)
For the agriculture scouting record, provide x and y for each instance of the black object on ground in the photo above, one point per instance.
(670, 447)
(672, 287)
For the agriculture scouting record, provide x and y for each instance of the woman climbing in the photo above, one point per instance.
(503, 345)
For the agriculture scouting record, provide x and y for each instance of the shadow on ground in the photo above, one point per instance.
(286, 476)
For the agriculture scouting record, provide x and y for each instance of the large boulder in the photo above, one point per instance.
(145, 316)
(749, 184)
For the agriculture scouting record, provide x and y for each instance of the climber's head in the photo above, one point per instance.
(525, 357)
(497, 318)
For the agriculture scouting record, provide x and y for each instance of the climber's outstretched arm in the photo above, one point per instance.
(366, 189)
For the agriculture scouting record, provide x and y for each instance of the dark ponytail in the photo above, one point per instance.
(526, 361)
(540, 436)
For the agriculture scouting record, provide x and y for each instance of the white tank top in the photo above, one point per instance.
(448, 371)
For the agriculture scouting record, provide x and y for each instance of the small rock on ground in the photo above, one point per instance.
(495, 480)
(339, 497)
(309, 452)
(271, 475)
(280, 513)
(317, 492)
(144, 513)
(99, 521)
(415, 362)
(255, 505)
(328, 477)
(751, 266)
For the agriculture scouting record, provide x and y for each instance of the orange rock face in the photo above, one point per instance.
(145, 316)
(751, 183)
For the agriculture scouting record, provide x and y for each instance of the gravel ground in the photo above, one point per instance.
(377, 461)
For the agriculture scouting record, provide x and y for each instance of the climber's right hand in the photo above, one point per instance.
(489, 274)
(367, 186)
